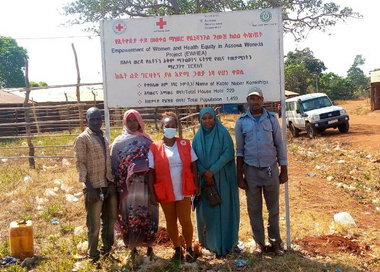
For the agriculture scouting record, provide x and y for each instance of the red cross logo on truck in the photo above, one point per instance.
(161, 23)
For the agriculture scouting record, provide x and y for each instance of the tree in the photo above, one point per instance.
(303, 70)
(356, 75)
(299, 16)
(33, 84)
(12, 61)
(337, 87)
(306, 58)
(37, 84)
(297, 78)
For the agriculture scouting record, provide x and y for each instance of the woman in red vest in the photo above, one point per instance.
(173, 179)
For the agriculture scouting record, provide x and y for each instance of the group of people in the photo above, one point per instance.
(125, 183)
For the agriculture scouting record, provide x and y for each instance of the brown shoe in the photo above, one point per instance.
(278, 250)
(259, 250)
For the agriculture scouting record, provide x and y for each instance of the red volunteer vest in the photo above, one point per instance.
(163, 185)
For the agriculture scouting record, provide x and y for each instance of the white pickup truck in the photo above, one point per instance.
(314, 113)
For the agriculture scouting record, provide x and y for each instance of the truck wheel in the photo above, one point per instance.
(343, 128)
(311, 132)
(295, 131)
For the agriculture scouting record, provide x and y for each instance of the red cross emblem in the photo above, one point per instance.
(161, 23)
(119, 27)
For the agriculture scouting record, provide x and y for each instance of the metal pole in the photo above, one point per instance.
(282, 92)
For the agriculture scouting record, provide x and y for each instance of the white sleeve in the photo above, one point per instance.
(194, 156)
(151, 159)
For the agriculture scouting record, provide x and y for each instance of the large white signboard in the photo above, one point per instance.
(210, 58)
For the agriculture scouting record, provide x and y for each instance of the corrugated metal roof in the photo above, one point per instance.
(9, 98)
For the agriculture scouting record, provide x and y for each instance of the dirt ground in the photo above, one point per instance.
(364, 130)
(313, 202)
(320, 198)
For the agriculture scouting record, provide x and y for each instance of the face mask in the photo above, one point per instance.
(170, 132)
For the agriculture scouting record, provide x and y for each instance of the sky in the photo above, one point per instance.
(37, 26)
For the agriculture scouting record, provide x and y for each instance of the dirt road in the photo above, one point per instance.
(364, 130)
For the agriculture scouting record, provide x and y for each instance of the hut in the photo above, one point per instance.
(375, 89)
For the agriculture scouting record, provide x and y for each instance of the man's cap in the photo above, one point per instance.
(255, 91)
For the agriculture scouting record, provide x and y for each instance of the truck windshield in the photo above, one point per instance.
(316, 103)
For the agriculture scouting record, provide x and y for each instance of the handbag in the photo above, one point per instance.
(212, 196)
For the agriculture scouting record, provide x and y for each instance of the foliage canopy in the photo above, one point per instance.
(304, 74)
(299, 16)
(12, 61)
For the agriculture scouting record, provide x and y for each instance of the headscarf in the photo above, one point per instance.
(129, 154)
(208, 143)
(140, 131)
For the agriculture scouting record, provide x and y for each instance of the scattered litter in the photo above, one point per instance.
(78, 194)
(349, 187)
(54, 221)
(241, 263)
(40, 143)
(345, 219)
(65, 162)
(13, 201)
(330, 178)
(311, 175)
(79, 266)
(337, 270)
(82, 247)
(4, 160)
(49, 192)
(28, 179)
(79, 230)
(321, 167)
(8, 261)
(57, 181)
(71, 198)
(337, 148)
(368, 156)
(66, 188)
(210, 270)
(41, 200)
(378, 209)
(341, 161)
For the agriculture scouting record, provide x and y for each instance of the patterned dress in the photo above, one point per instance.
(137, 218)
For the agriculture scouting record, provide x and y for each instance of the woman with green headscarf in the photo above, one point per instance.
(217, 226)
